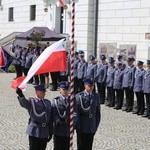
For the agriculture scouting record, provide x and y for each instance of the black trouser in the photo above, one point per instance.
(85, 141)
(148, 103)
(140, 102)
(101, 91)
(63, 78)
(61, 142)
(55, 78)
(23, 70)
(119, 98)
(129, 98)
(42, 79)
(18, 69)
(36, 79)
(110, 96)
(37, 143)
(26, 72)
(75, 85)
(80, 85)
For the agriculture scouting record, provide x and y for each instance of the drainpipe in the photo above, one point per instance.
(95, 27)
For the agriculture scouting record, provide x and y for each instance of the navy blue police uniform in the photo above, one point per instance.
(117, 85)
(81, 71)
(61, 113)
(138, 89)
(146, 89)
(76, 61)
(88, 117)
(39, 127)
(128, 83)
(101, 75)
(109, 83)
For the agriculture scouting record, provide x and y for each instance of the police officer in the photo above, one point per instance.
(17, 61)
(128, 83)
(81, 71)
(146, 89)
(28, 63)
(91, 68)
(40, 122)
(109, 83)
(117, 85)
(65, 74)
(23, 59)
(61, 112)
(138, 88)
(120, 58)
(76, 61)
(88, 115)
(36, 77)
(100, 78)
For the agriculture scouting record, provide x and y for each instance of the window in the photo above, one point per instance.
(32, 12)
(11, 14)
(0, 2)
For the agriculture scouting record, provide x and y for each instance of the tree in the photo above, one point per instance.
(37, 36)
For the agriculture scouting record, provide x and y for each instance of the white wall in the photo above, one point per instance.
(125, 22)
(22, 16)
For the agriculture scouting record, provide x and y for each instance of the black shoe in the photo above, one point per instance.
(111, 105)
(129, 110)
(107, 104)
(117, 108)
(124, 109)
(148, 117)
(35, 83)
(135, 112)
(140, 113)
(53, 89)
(145, 116)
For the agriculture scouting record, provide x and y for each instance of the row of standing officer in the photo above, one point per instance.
(118, 79)
(52, 118)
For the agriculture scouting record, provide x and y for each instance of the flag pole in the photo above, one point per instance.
(72, 73)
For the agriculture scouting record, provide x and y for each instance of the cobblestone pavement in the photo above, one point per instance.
(118, 130)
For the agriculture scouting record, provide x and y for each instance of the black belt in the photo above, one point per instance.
(42, 124)
(89, 115)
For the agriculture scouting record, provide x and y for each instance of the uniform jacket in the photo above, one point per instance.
(139, 77)
(82, 68)
(76, 61)
(110, 76)
(146, 82)
(17, 55)
(118, 77)
(28, 62)
(40, 122)
(23, 57)
(129, 75)
(61, 113)
(91, 71)
(88, 112)
(101, 73)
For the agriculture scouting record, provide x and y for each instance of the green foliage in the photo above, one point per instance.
(37, 36)
(11, 69)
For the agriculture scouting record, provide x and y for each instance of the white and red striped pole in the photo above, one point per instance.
(72, 74)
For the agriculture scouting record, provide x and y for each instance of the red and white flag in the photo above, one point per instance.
(61, 3)
(52, 59)
(2, 57)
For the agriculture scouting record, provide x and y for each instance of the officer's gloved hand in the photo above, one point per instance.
(19, 92)
(49, 138)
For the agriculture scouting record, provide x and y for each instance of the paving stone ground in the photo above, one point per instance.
(118, 130)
